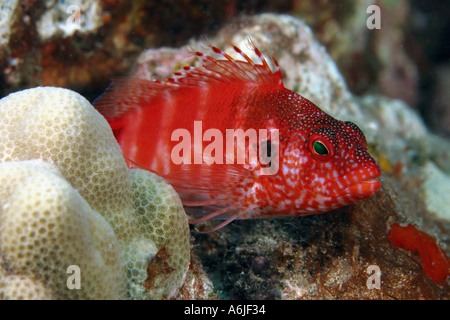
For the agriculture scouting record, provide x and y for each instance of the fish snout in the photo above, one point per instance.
(363, 182)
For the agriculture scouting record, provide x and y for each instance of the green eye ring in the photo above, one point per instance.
(320, 148)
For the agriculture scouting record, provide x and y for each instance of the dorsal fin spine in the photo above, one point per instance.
(124, 95)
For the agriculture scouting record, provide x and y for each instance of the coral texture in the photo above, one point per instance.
(82, 187)
(45, 227)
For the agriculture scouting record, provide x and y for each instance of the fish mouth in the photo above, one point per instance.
(364, 185)
(364, 188)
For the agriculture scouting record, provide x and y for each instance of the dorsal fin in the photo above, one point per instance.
(126, 94)
(229, 69)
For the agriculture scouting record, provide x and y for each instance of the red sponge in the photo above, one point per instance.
(435, 262)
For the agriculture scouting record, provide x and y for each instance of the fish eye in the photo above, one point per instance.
(320, 148)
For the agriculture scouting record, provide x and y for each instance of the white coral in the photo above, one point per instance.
(81, 187)
(46, 226)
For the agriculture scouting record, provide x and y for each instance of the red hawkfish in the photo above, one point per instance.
(321, 163)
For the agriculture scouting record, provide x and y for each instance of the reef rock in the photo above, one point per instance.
(329, 256)
(63, 20)
(7, 18)
(82, 44)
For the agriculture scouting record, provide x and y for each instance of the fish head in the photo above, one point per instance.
(328, 164)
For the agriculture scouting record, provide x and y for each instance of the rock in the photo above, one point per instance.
(7, 18)
(197, 285)
(63, 20)
(395, 129)
(50, 46)
(317, 257)
(436, 189)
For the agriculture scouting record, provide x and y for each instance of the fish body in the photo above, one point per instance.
(322, 162)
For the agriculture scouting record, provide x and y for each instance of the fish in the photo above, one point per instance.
(322, 163)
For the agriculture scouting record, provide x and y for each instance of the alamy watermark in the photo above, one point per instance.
(74, 280)
(374, 279)
(374, 20)
(74, 20)
(249, 147)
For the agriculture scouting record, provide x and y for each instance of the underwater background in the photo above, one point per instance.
(391, 79)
